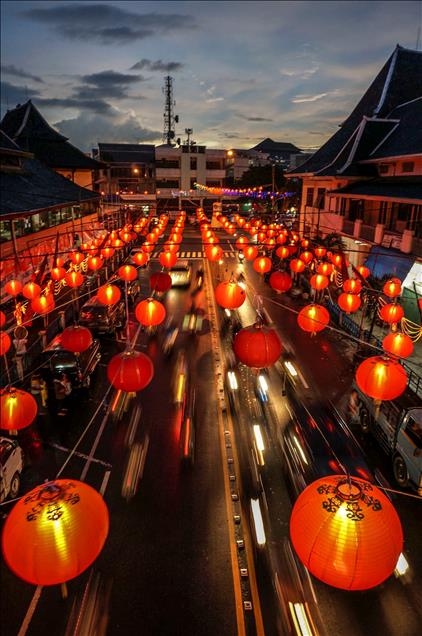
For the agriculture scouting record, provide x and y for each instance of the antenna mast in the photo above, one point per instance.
(170, 119)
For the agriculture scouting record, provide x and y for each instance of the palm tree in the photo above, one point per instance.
(332, 241)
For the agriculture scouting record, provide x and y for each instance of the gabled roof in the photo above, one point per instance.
(399, 81)
(406, 137)
(25, 125)
(126, 153)
(271, 146)
(6, 143)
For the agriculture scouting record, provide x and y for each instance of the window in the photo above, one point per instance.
(355, 209)
(343, 206)
(168, 183)
(192, 183)
(213, 165)
(193, 163)
(382, 216)
(404, 211)
(5, 231)
(309, 196)
(320, 198)
(407, 166)
(414, 431)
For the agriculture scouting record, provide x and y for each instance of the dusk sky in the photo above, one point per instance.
(242, 70)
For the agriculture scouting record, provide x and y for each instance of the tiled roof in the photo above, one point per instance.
(268, 145)
(126, 153)
(406, 138)
(384, 188)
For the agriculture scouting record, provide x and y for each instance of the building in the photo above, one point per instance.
(299, 159)
(27, 127)
(130, 168)
(365, 182)
(239, 160)
(277, 151)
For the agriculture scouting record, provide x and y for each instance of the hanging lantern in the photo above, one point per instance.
(109, 294)
(282, 252)
(346, 532)
(2, 319)
(257, 346)
(305, 244)
(43, 304)
(381, 378)
(250, 252)
(280, 281)
(13, 287)
(127, 272)
(18, 409)
(55, 532)
(95, 263)
(337, 260)
(167, 259)
(58, 273)
(230, 295)
(292, 249)
(269, 244)
(130, 371)
(76, 339)
(297, 265)
(242, 242)
(74, 279)
(214, 253)
(320, 252)
(140, 259)
(150, 312)
(398, 344)
(319, 281)
(364, 271)
(313, 318)
(118, 243)
(59, 262)
(325, 268)
(5, 344)
(391, 313)
(77, 258)
(107, 252)
(31, 290)
(148, 247)
(262, 264)
(176, 238)
(352, 286)
(171, 247)
(160, 282)
(392, 288)
(349, 302)
(261, 236)
(281, 239)
(306, 257)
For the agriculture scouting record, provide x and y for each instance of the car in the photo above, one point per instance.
(181, 274)
(102, 318)
(187, 430)
(78, 366)
(180, 378)
(133, 288)
(11, 466)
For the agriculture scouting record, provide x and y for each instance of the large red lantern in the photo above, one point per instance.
(257, 346)
(280, 281)
(43, 304)
(319, 281)
(127, 272)
(150, 312)
(281, 239)
(167, 259)
(230, 295)
(262, 264)
(313, 318)
(160, 282)
(140, 258)
(13, 287)
(18, 409)
(364, 271)
(31, 290)
(282, 252)
(5, 344)
(74, 279)
(214, 253)
(76, 339)
(107, 252)
(297, 265)
(398, 344)
(77, 258)
(326, 269)
(306, 257)
(381, 378)
(55, 532)
(352, 286)
(349, 302)
(392, 288)
(58, 273)
(250, 252)
(346, 532)
(320, 252)
(95, 263)
(109, 294)
(391, 313)
(130, 371)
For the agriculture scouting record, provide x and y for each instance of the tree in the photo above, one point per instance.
(262, 176)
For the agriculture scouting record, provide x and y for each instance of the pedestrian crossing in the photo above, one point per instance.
(194, 255)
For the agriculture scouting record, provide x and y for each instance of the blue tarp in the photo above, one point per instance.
(382, 261)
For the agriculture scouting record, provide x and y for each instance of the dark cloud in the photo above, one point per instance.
(157, 65)
(96, 105)
(9, 69)
(107, 23)
(12, 94)
(104, 79)
(108, 84)
(255, 118)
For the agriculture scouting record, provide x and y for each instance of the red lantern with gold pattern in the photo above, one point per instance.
(130, 371)
(214, 253)
(391, 313)
(230, 295)
(5, 344)
(349, 302)
(297, 265)
(280, 281)
(381, 378)
(140, 258)
(167, 259)
(313, 318)
(58, 273)
(18, 409)
(13, 287)
(392, 288)
(319, 281)
(398, 344)
(66, 520)
(31, 290)
(76, 339)
(109, 294)
(74, 279)
(346, 532)
(262, 264)
(127, 272)
(150, 312)
(257, 346)
(43, 304)
(352, 286)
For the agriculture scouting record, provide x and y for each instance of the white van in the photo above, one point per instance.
(11, 465)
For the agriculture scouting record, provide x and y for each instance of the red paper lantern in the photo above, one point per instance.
(76, 339)
(66, 520)
(95, 263)
(127, 272)
(118, 243)
(398, 344)
(43, 304)
(281, 239)
(13, 287)
(364, 271)
(346, 532)
(349, 302)
(176, 238)
(352, 286)
(2, 319)
(130, 371)
(262, 264)
(5, 344)
(282, 252)
(109, 294)
(242, 242)
(140, 259)
(305, 244)
(306, 257)
(171, 247)
(381, 378)
(167, 259)
(391, 313)
(230, 295)
(337, 260)
(257, 346)
(148, 247)
(107, 252)
(392, 288)
(320, 252)
(313, 318)
(250, 252)
(280, 281)
(18, 409)
(31, 290)
(319, 281)
(74, 279)
(150, 312)
(326, 269)
(214, 253)
(297, 265)
(160, 282)
(58, 273)
(77, 258)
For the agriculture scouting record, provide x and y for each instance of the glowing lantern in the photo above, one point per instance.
(230, 295)
(77, 258)
(391, 313)
(261, 236)
(5, 342)
(212, 240)
(282, 252)
(127, 272)
(160, 282)
(107, 252)
(337, 260)
(392, 288)
(76, 339)
(250, 252)
(171, 247)
(346, 532)
(59, 262)
(349, 302)
(281, 239)
(320, 252)
(141, 259)
(242, 242)
(306, 257)
(13, 287)
(66, 520)
(257, 346)
(43, 304)
(95, 263)
(214, 253)
(305, 244)
(148, 247)
(130, 371)
(269, 244)
(381, 378)
(58, 273)
(364, 271)
(297, 265)
(262, 264)
(31, 290)
(150, 312)
(319, 281)
(175, 238)
(109, 294)
(313, 318)
(2, 319)
(398, 344)
(18, 409)
(118, 243)
(74, 279)
(325, 268)
(280, 281)
(167, 259)
(292, 249)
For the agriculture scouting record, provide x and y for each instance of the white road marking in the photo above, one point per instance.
(105, 482)
(94, 447)
(81, 455)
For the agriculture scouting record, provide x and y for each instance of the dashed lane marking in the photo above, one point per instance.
(81, 455)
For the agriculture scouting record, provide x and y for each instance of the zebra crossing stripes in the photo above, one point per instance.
(194, 255)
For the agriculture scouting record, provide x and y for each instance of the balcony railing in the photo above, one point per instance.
(348, 226)
(367, 232)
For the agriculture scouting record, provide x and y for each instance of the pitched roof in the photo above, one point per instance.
(406, 137)
(25, 125)
(384, 188)
(399, 81)
(271, 146)
(126, 153)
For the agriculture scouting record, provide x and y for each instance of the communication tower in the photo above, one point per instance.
(170, 119)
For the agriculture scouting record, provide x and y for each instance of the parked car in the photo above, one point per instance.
(181, 274)
(102, 318)
(11, 465)
(78, 367)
